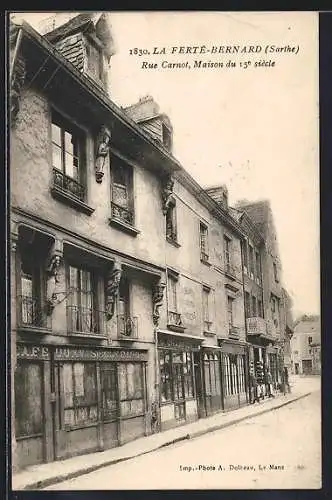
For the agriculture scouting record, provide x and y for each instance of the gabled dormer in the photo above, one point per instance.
(147, 114)
(86, 41)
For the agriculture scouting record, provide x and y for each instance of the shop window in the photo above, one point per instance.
(131, 389)
(94, 59)
(28, 399)
(230, 374)
(83, 314)
(203, 240)
(212, 375)
(122, 201)
(68, 157)
(188, 375)
(171, 227)
(241, 373)
(109, 388)
(165, 368)
(80, 394)
(178, 379)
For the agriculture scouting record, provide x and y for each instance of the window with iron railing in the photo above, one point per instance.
(83, 315)
(68, 157)
(122, 191)
(30, 300)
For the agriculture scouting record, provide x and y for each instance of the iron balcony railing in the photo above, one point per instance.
(31, 313)
(68, 184)
(234, 332)
(174, 318)
(124, 214)
(84, 320)
(256, 326)
(127, 327)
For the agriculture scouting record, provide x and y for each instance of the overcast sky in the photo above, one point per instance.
(255, 129)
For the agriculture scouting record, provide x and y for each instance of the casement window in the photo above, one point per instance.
(203, 241)
(260, 308)
(127, 324)
(131, 389)
(258, 266)
(122, 206)
(227, 251)
(80, 394)
(31, 293)
(176, 376)
(275, 272)
(83, 314)
(171, 227)
(230, 304)
(28, 399)
(254, 306)
(251, 261)
(309, 340)
(94, 59)
(247, 304)
(245, 255)
(68, 159)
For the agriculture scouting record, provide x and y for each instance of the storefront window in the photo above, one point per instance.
(212, 375)
(165, 376)
(188, 375)
(28, 399)
(108, 376)
(131, 388)
(176, 376)
(80, 394)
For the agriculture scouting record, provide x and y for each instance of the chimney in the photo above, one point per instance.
(146, 113)
(219, 194)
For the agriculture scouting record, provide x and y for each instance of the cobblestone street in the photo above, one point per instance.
(277, 450)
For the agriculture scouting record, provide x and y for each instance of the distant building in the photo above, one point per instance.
(306, 346)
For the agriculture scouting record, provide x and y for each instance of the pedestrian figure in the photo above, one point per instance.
(253, 388)
(268, 384)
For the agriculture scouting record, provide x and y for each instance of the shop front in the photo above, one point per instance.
(177, 379)
(75, 400)
(273, 365)
(212, 393)
(234, 367)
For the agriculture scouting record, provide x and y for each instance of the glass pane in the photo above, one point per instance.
(56, 157)
(122, 380)
(79, 379)
(69, 146)
(28, 399)
(56, 134)
(70, 169)
(120, 196)
(68, 389)
(69, 418)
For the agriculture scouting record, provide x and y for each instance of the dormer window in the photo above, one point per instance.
(94, 59)
(167, 137)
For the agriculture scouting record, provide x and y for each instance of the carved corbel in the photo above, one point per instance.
(17, 83)
(112, 289)
(102, 150)
(53, 264)
(167, 193)
(157, 300)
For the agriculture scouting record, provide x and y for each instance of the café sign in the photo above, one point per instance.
(32, 352)
(73, 354)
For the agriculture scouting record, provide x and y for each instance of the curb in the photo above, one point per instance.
(38, 485)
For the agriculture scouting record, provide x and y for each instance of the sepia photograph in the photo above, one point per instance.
(164, 263)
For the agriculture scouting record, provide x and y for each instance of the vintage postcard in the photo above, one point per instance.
(164, 267)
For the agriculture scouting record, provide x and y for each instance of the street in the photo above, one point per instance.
(278, 450)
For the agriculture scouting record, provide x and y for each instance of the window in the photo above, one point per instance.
(254, 306)
(247, 304)
(258, 266)
(171, 229)
(126, 322)
(230, 302)
(188, 375)
(207, 323)
(245, 255)
(203, 240)
(131, 389)
(94, 59)
(165, 367)
(83, 316)
(167, 137)
(172, 295)
(28, 399)
(260, 308)
(227, 255)
(122, 204)
(80, 394)
(31, 290)
(275, 272)
(176, 376)
(212, 378)
(251, 260)
(67, 157)
(229, 364)
(309, 340)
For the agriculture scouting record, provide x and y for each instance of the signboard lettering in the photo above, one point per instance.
(72, 354)
(32, 352)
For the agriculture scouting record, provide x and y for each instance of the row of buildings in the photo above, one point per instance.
(139, 300)
(306, 346)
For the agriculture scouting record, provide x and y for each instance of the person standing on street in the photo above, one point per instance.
(268, 384)
(286, 380)
(253, 388)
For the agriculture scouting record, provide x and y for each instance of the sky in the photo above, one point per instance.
(255, 129)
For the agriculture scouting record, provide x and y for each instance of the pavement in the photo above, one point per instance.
(44, 475)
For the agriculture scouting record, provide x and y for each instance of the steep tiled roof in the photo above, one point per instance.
(308, 326)
(257, 211)
(74, 24)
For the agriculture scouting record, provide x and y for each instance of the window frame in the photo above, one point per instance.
(171, 217)
(230, 312)
(204, 242)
